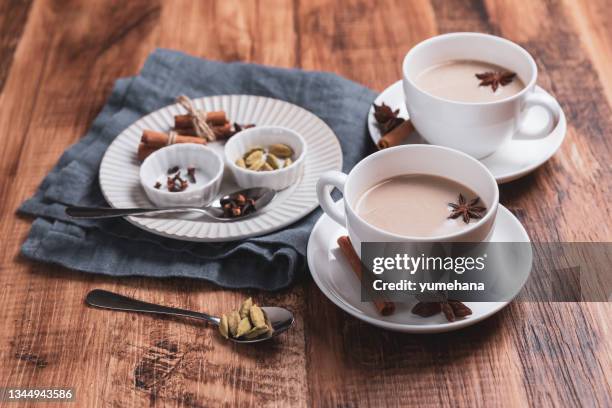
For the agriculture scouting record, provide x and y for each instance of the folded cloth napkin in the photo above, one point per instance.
(116, 247)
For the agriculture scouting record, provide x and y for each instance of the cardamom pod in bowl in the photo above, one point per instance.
(266, 156)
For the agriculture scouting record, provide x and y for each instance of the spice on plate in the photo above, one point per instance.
(387, 118)
(384, 307)
(211, 126)
(248, 322)
(237, 205)
(396, 136)
(195, 126)
(174, 182)
(273, 157)
(452, 309)
(393, 128)
(191, 173)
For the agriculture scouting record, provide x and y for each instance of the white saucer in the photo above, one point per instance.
(337, 281)
(513, 160)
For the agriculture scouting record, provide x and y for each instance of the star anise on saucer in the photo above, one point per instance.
(495, 78)
(452, 309)
(467, 210)
(386, 118)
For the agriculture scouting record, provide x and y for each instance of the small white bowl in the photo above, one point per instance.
(265, 136)
(209, 168)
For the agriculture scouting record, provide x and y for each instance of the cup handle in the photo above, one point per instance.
(547, 102)
(324, 187)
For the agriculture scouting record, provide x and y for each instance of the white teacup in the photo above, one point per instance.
(402, 160)
(477, 129)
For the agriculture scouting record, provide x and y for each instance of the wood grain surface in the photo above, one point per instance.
(58, 62)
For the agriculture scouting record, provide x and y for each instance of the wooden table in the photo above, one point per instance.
(58, 62)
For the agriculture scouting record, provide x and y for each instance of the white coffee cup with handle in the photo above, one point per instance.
(406, 160)
(475, 128)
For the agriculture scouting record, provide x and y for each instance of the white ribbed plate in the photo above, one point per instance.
(121, 186)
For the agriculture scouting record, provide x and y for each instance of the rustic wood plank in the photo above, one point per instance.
(552, 374)
(592, 18)
(13, 17)
(536, 354)
(361, 40)
(59, 80)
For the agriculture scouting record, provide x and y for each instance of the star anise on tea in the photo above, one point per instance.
(495, 78)
(467, 210)
(386, 118)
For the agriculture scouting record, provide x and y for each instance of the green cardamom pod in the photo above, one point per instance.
(272, 161)
(280, 150)
(253, 157)
(253, 149)
(243, 327)
(224, 326)
(258, 165)
(255, 332)
(245, 308)
(257, 316)
(233, 321)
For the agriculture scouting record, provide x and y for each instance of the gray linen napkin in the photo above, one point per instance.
(115, 247)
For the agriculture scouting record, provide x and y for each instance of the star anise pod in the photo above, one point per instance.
(387, 118)
(459, 309)
(427, 309)
(238, 128)
(383, 113)
(448, 311)
(495, 78)
(452, 309)
(467, 210)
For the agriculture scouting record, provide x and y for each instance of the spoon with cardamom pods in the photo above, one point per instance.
(255, 324)
(230, 207)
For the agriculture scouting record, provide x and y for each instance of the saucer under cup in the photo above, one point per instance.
(515, 159)
(334, 277)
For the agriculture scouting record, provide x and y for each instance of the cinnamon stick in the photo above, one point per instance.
(222, 132)
(216, 118)
(144, 151)
(396, 136)
(158, 139)
(385, 308)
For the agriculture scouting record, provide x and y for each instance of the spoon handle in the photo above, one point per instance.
(109, 300)
(102, 212)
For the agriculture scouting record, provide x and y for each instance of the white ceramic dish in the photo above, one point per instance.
(333, 276)
(264, 136)
(120, 181)
(513, 160)
(209, 172)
